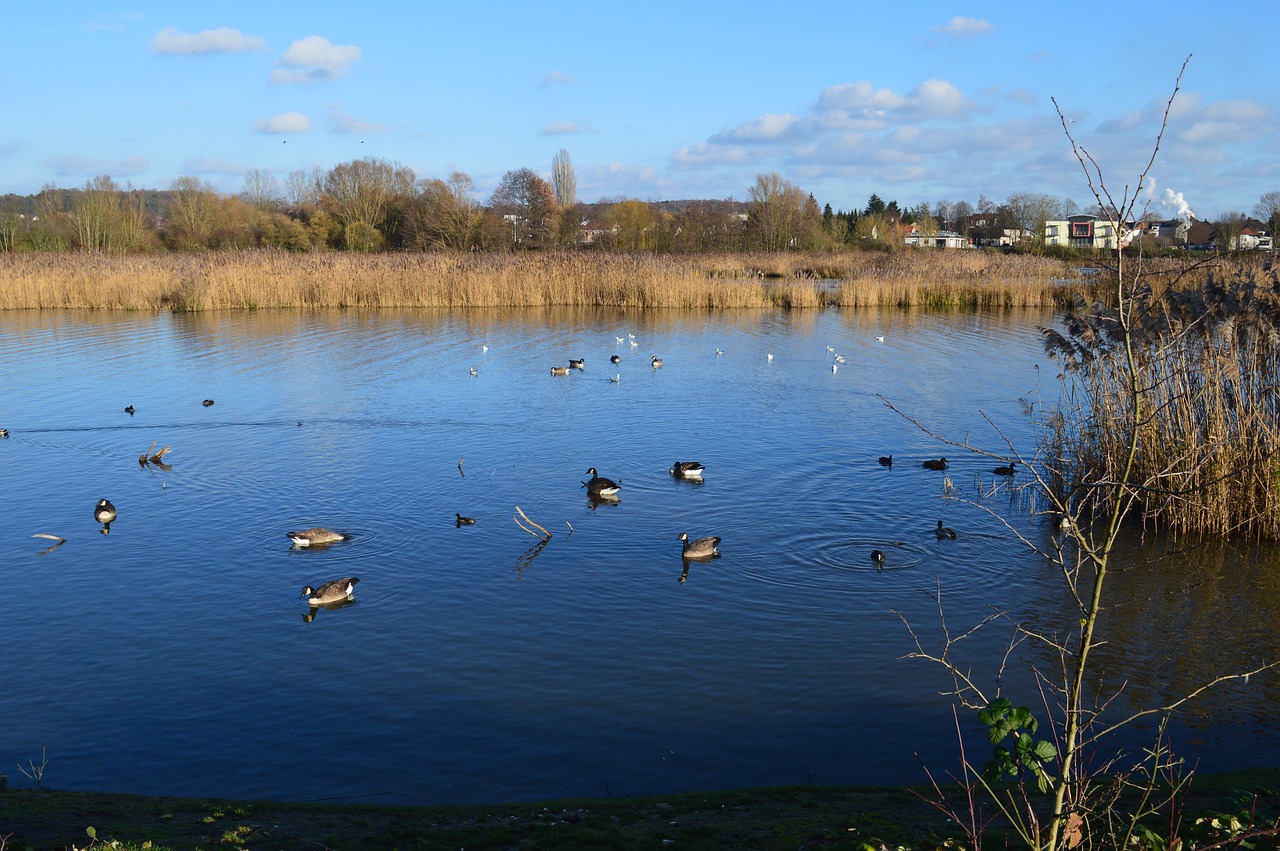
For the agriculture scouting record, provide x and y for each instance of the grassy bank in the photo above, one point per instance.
(269, 279)
(790, 817)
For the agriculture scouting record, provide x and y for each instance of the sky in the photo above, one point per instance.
(919, 102)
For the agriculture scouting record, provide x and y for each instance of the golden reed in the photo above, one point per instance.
(226, 280)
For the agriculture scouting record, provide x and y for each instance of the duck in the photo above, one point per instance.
(129, 409)
(600, 486)
(699, 548)
(1062, 523)
(615, 360)
(877, 557)
(657, 361)
(578, 363)
(1005, 471)
(686, 469)
(104, 512)
(473, 372)
(333, 591)
(935, 464)
(559, 370)
(208, 403)
(886, 460)
(315, 535)
(944, 533)
(464, 521)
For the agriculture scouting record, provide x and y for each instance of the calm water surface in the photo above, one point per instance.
(173, 655)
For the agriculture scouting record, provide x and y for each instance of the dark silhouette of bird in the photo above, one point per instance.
(935, 464)
(886, 460)
(944, 533)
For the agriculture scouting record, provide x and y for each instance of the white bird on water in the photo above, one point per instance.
(770, 356)
(484, 348)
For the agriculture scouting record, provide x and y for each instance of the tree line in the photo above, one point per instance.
(376, 205)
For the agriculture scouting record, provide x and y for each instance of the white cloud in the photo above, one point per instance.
(561, 128)
(707, 154)
(287, 122)
(558, 78)
(74, 166)
(314, 59)
(221, 40)
(349, 125)
(763, 129)
(963, 28)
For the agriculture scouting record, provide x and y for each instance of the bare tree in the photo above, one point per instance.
(564, 183)
(781, 214)
(194, 212)
(527, 203)
(1268, 210)
(361, 195)
(261, 190)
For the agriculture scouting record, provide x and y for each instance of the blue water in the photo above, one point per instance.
(172, 655)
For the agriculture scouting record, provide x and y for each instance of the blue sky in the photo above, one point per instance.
(661, 100)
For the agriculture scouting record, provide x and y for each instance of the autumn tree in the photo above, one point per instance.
(781, 215)
(444, 214)
(194, 213)
(363, 195)
(527, 203)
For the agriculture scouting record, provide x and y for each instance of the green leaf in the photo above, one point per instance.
(1045, 750)
(93, 834)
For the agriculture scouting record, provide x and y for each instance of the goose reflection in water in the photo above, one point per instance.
(328, 607)
(595, 500)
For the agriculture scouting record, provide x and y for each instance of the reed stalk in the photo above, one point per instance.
(229, 280)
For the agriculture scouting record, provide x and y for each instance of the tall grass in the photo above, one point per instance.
(1208, 459)
(268, 279)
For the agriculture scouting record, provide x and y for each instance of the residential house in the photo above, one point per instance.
(916, 238)
(1086, 231)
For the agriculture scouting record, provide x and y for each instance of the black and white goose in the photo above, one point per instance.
(333, 591)
(315, 535)
(686, 469)
(104, 512)
(598, 485)
(700, 547)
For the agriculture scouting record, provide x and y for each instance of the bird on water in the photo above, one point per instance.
(315, 535)
(333, 591)
(700, 547)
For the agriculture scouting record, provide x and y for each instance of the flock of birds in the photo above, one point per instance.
(337, 592)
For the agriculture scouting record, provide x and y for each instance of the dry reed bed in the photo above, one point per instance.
(1209, 439)
(267, 279)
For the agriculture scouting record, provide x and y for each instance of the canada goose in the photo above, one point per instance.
(686, 469)
(944, 533)
(104, 512)
(886, 460)
(701, 548)
(657, 361)
(333, 591)
(877, 556)
(1005, 471)
(615, 360)
(559, 370)
(578, 363)
(599, 485)
(208, 403)
(473, 372)
(314, 535)
(129, 410)
(935, 464)
(464, 521)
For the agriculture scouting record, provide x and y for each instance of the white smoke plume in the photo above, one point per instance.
(1181, 208)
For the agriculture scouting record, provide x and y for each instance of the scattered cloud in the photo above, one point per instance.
(561, 128)
(766, 128)
(72, 166)
(211, 165)
(961, 28)
(558, 78)
(349, 125)
(112, 23)
(314, 59)
(287, 122)
(171, 41)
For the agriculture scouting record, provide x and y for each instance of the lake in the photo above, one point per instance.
(174, 655)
